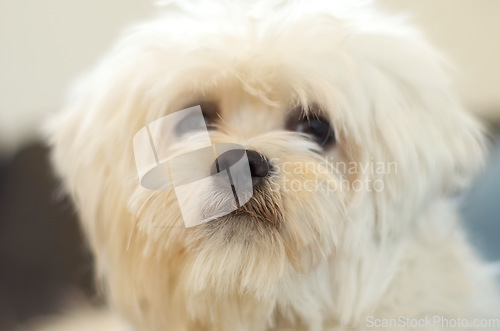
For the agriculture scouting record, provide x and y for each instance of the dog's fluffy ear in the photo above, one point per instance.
(76, 139)
(437, 145)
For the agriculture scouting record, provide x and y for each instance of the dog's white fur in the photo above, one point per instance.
(337, 258)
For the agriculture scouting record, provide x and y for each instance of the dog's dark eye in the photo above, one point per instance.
(315, 125)
(210, 112)
(192, 123)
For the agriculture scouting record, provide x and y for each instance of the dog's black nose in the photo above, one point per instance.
(259, 165)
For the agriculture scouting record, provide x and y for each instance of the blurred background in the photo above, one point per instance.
(46, 45)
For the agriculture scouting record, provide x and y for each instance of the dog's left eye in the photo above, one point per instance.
(317, 126)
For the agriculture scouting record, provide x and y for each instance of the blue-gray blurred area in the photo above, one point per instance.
(480, 206)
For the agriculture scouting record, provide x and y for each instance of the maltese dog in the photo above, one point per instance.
(275, 165)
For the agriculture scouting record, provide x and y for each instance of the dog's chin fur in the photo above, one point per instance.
(292, 257)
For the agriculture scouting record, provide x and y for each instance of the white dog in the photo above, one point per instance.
(355, 143)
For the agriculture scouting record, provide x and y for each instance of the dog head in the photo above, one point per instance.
(349, 109)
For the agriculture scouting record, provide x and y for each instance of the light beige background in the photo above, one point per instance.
(45, 45)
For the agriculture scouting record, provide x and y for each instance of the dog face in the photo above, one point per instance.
(352, 111)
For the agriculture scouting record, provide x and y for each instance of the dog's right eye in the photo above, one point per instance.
(191, 123)
(210, 112)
